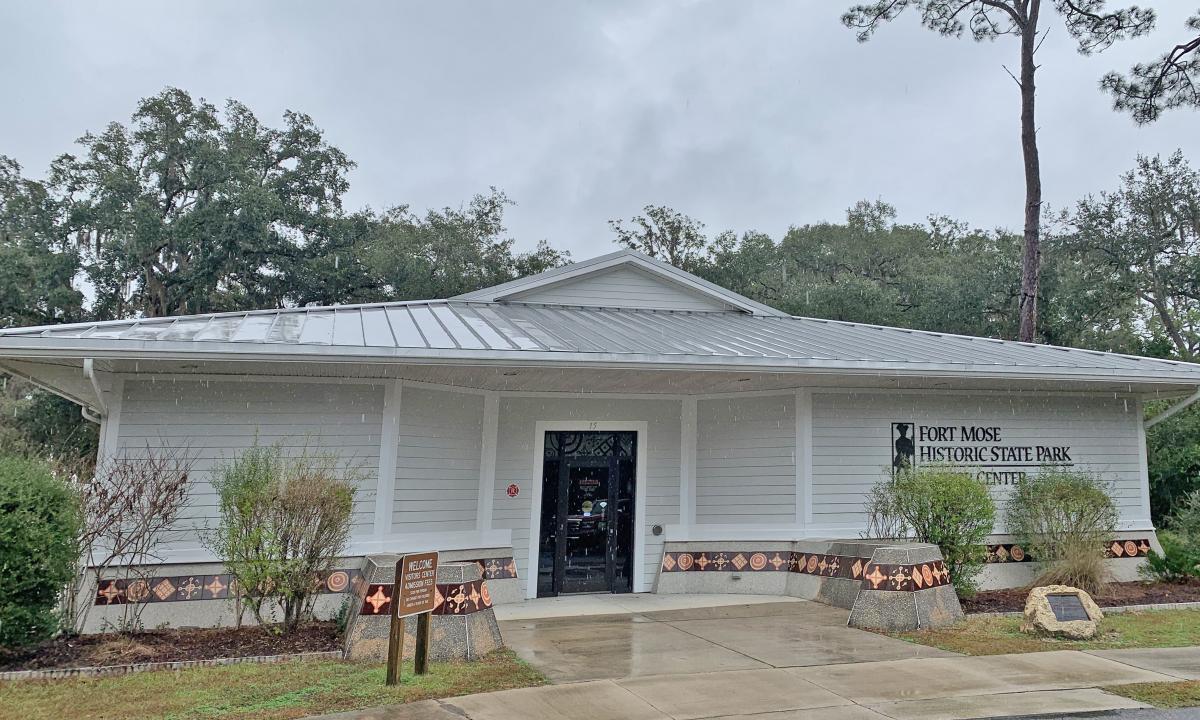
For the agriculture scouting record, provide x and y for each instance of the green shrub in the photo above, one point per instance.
(39, 519)
(284, 522)
(1061, 517)
(947, 507)
(1179, 561)
(1185, 520)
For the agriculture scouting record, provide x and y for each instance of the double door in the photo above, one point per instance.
(586, 543)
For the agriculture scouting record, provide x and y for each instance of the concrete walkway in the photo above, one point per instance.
(919, 688)
(695, 638)
(779, 661)
(580, 606)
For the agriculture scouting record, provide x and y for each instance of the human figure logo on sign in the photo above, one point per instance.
(414, 593)
(903, 446)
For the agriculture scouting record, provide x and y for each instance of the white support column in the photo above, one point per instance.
(389, 438)
(487, 462)
(110, 424)
(687, 465)
(1143, 463)
(804, 416)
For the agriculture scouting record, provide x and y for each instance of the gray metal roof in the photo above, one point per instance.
(462, 331)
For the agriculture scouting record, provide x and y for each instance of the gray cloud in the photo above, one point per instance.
(744, 115)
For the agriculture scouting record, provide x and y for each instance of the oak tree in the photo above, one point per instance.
(1143, 241)
(665, 234)
(189, 209)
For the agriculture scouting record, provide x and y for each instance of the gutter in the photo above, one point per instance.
(89, 372)
(1174, 409)
(241, 351)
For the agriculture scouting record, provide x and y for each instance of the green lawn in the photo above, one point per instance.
(982, 635)
(1185, 693)
(263, 692)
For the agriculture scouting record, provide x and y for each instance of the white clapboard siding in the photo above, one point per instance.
(437, 461)
(852, 441)
(514, 464)
(214, 422)
(622, 288)
(746, 461)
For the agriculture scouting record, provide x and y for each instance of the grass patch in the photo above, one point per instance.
(261, 692)
(1185, 693)
(990, 635)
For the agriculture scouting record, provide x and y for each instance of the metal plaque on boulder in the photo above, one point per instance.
(1067, 607)
(1061, 611)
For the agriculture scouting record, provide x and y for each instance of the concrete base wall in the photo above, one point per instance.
(190, 579)
(181, 613)
(1002, 575)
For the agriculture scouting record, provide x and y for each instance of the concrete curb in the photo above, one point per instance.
(1107, 610)
(114, 670)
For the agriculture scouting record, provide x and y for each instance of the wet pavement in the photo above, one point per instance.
(782, 661)
(699, 640)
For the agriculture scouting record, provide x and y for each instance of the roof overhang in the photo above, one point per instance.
(142, 356)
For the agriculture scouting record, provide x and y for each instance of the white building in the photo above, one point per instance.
(582, 420)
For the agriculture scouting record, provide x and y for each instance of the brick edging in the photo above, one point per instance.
(1117, 609)
(114, 670)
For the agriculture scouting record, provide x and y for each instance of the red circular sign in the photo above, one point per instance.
(513, 490)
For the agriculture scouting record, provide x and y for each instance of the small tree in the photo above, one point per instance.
(128, 505)
(1063, 517)
(38, 520)
(284, 522)
(941, 505)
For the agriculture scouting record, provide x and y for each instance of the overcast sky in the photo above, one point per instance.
(745, 115)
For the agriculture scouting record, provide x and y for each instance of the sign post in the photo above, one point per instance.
(413, 593)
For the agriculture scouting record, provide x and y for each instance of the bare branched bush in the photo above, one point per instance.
(884, 521)
(128, 505)
(284, 523)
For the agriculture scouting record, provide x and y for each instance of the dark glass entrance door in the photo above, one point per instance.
(586, 542)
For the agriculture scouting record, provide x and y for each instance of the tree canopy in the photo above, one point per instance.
(1170, 81)
(1092, 25)
(188, 208)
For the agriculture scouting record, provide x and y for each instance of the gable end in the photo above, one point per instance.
(622, 287)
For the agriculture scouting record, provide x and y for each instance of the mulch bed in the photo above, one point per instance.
(171, 646)
(1115, 595)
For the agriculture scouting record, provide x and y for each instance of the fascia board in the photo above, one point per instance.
(219, 351)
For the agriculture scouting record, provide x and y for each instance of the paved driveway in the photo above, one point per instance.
(699, 640)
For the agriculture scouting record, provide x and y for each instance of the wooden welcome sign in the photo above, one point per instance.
(414, 593)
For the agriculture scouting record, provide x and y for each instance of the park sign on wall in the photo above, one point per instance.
(980, 447)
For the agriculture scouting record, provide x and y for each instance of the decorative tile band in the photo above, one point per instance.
(179, 588)
(200, 587)
(449, 599)
(905, 578)
(839, 566)
(498, 568)
(732, 561)
(1012, 553)
(844, 566)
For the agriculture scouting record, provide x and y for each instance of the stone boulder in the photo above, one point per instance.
(1041, 620)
